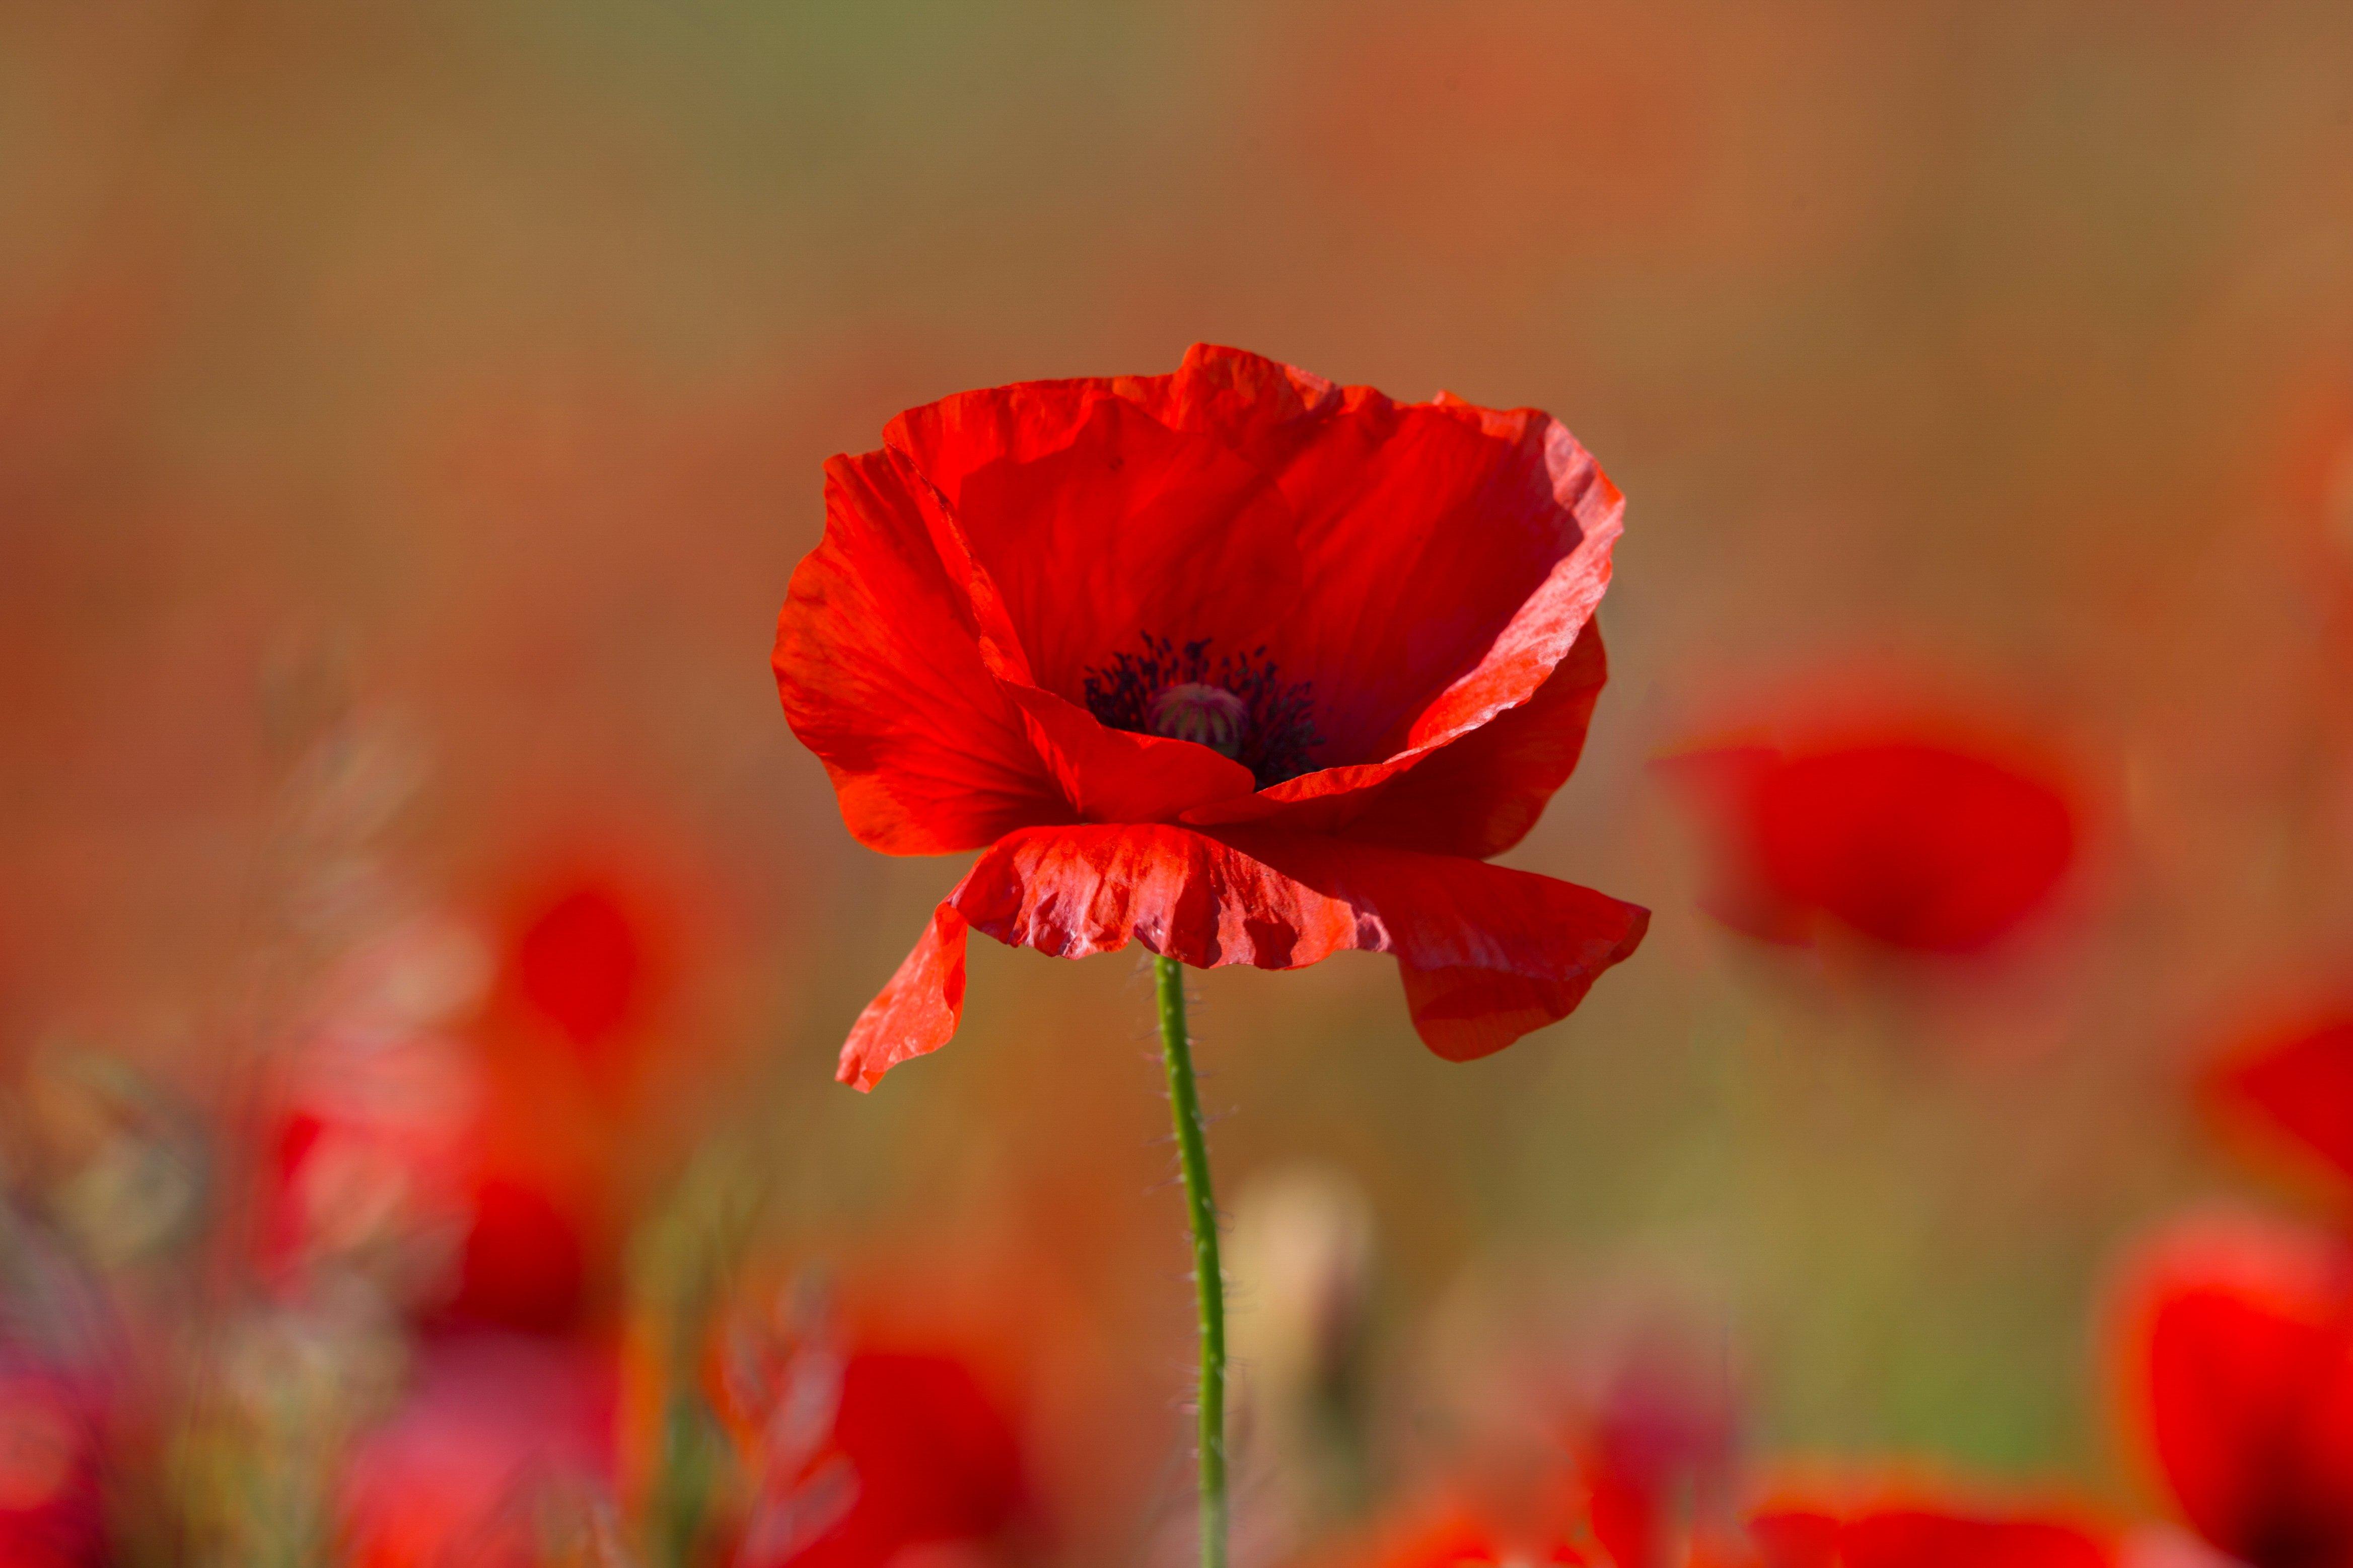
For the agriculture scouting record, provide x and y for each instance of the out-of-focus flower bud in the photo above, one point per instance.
(1301, 1265)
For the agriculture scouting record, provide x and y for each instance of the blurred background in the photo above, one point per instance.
(414, 913)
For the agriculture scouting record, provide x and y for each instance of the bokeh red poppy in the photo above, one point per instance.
(1922, 1535)
(1914, 840)
(52, 1510)
(2236, 1343)
(854, 1452)
(2294, 1087)
(500, 1440)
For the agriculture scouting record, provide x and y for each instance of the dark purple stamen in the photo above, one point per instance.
(1278, 728)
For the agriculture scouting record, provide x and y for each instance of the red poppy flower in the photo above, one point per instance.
(858, 1454)
(1660, 1452)
(52, 1506)
(500, 1439)
(1235, 663)
(2297, 1084)
(1921, 1537)
(1915, 842)
(1466, 1540)
(2239, 1367)
(580, 962)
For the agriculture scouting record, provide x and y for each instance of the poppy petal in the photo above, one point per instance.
(2301, 1086)
(1118, 775)
(1481, 794)
(1258, 506)
(1451, 554)
(1916, 845)
(1490, 953)
(1076, 522)
(881, 677)
(1476, 796)
(1463, 1013)
(1923, 1537)
(2240, 1369)
(918, 1011)
(1911, 1538)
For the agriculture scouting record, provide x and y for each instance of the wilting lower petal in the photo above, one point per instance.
(1490, 953)
(917, 1012)
(1463, 1013)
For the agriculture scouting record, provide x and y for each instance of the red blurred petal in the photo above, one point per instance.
(882, 678)
(525, 1260)
(1917, 1539)
(581, 962)
(1721, 783)
(936, 1460)
(1796, 1538)
(1490, 953)
(2301, 1086)
(1629, 1519)
(1923, 1537)
(1913, 843)
(493, 1428)
(2240, 1347)
(1455, 1538)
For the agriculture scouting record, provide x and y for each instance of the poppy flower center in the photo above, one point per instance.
(1210, 715)
(1234, 704)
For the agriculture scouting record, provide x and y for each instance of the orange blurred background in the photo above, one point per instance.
(410, 415)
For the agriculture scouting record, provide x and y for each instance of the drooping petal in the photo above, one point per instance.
(1280, 901)
(1463, 1013)
(881, 677)
(918, 1011)
(2239, 1359)
(1490, 953)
